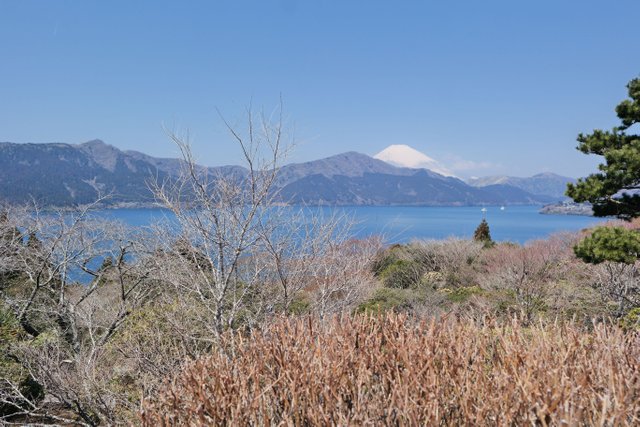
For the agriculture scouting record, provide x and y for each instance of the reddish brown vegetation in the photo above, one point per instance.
(395, 370)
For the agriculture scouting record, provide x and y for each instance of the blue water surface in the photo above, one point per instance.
(511, 223)
(401, 224)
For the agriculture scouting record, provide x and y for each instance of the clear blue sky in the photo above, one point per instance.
(483, 86)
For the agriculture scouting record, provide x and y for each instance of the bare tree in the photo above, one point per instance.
(75, 279)
(220, 217)
(343, 275)
(238, 251)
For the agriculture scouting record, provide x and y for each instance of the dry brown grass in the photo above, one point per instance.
(393, 370)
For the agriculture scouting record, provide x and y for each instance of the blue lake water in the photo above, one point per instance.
(401, 224)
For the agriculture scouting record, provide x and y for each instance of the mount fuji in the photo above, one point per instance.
(404, 156)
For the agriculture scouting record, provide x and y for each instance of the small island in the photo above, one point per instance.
(567, 208)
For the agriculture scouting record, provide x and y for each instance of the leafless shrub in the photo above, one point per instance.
(391, 370)
(531, 272)
(341, 276)
(618, 283)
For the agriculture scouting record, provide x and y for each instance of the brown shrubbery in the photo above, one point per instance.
(397, 370)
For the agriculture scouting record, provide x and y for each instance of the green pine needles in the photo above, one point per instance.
(615, 244)
(613, 190)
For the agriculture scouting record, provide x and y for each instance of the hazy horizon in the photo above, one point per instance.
(485, 89)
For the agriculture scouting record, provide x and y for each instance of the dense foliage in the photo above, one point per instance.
(615, 244)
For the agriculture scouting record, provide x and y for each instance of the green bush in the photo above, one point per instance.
(632, 320)
(300, 304)
(463, 293)
(388, 299)
(401, 274)
(615, 244)
(386, 257)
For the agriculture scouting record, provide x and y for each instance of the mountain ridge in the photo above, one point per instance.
(62, 174)
(545, 183)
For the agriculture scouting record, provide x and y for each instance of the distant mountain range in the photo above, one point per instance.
(548, 184)
(64, 174)
(357, 179)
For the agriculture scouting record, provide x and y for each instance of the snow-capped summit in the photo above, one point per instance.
(404, 156)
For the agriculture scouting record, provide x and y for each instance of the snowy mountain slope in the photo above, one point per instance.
(402, 155)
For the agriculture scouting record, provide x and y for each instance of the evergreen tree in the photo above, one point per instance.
(614, 244)
(611, 191)
(482, 233)
(614, 191)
